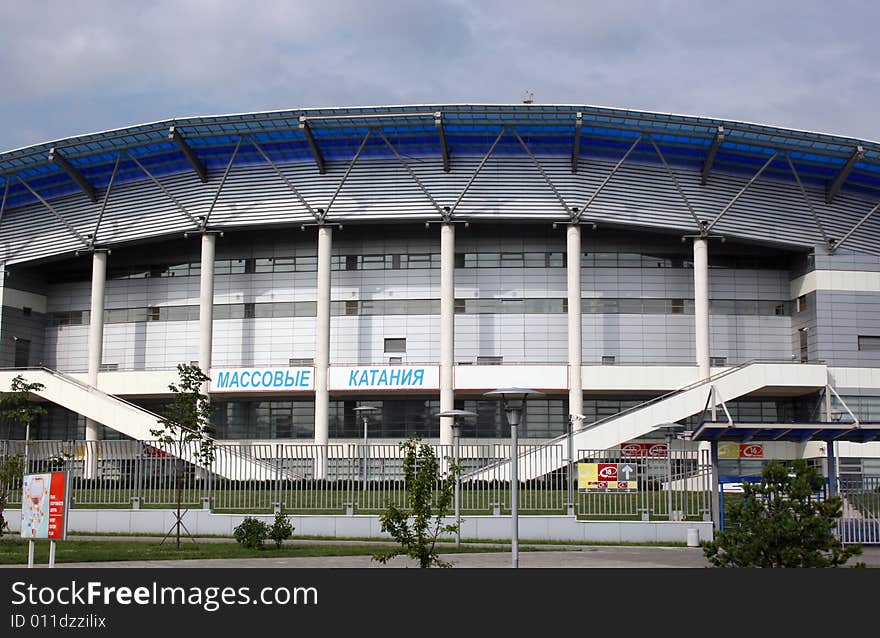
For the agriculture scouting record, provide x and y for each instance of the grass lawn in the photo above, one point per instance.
(13, 551)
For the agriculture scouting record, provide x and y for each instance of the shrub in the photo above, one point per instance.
(281, 529)
(251, 533)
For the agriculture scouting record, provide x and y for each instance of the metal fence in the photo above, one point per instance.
(860, 522)
(614, 485)
(247, 477)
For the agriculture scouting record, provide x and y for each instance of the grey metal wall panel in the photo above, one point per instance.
(380, 190)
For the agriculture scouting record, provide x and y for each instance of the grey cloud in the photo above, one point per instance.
(70, 68)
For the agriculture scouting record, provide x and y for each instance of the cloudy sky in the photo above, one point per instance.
(71, 67)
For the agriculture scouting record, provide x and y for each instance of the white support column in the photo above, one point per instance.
(447, 329)
(701, 305)
(206, 302)
(701, 333)
(575, 384)
(322, 347)
(95, 351)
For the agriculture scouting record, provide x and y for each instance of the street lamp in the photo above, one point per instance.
(364, 411)
(671, 430)
(514, 400)
(455, 415)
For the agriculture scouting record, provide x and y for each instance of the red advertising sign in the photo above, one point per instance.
(57, 505)
(655, 450)
(751, 451)
(44, 506)
(607, 471)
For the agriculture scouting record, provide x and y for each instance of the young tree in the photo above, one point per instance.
(417, 528)
(17, 412)
(780, 523)
(186, 429)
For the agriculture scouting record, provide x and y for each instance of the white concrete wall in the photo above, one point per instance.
(560, 528)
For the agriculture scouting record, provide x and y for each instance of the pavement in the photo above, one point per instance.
(569, 557)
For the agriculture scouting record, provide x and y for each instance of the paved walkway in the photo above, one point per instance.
(574, 557)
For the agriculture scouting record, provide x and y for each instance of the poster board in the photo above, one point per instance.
(44, 505)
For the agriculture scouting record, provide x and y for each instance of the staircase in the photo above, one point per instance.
(130, 420)
(668, 408)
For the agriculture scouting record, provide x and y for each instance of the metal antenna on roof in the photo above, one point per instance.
(528, 97)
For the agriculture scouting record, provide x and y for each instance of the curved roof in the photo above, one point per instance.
(576, 154)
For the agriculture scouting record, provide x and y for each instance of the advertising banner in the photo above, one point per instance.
(607, 477)
(740, 451)
(44, 506)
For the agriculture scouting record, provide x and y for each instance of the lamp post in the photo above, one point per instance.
(455, 415)
(514, 402)
(670, 430)
(364, 411)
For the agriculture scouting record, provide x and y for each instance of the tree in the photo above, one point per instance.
(417, 528)
(186, 429)
(780, 523)
(17, 411)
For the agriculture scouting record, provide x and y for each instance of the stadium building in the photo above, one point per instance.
(411, 258)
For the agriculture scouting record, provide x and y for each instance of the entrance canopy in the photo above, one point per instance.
(793, 432)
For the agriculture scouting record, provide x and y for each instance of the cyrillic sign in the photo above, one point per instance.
(385, 378)
(262, 379)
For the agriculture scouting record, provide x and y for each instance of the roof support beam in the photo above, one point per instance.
(5, 196)
(444, 148)
(411, 172)
(710, 156)
(546, 177)
(477, 172)
(57, 158)
(809, 204)
(835, 186)
(164, 190)
(293, 189)
(740, 193)
(190, 155)
(576, 143)
(313, 145)
(782, 434)
(222, 182)
(106, 198)
(73, 231)
(322, 214)
(833, 245)
(675, 183)
(609, 176)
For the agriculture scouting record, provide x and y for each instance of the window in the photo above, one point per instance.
(22, 355)
(717, 361)
(351, 308)
(489, 361)
(250, 311)
(870, 344)
(395, 344)
(351, 262)
(108, 367)
(801, 303)
(608, 360)
(26, 311)
(677, 306)
(395, 361)
(301, 361)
